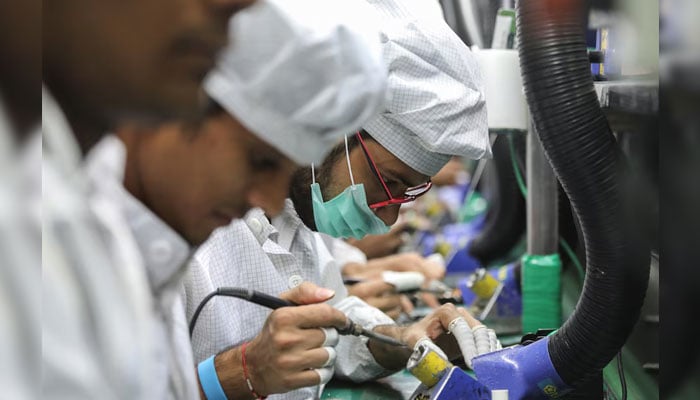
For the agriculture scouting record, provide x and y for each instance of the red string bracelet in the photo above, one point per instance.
(247, 377)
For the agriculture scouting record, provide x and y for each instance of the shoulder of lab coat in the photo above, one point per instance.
(234, 256)
(343, 251)
(163, 255)
(96, 326)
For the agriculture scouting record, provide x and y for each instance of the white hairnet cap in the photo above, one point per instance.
(437, 107)
(301, 73)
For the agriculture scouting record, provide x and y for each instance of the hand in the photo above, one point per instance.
(381, 295)
(375, 246)
(429, 299)
(399, 262)
(436, 325)
(290, 346)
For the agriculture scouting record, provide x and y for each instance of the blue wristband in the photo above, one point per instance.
(210, 381)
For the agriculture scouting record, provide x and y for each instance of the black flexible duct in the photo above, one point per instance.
(505, 217)
(582, 150)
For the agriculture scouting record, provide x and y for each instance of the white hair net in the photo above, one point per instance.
(437, 107)
(301, 73)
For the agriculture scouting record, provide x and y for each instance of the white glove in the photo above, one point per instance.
(473, 342)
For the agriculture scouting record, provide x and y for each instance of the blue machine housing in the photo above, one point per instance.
(525, 371)
(455, 384)
(509, 302)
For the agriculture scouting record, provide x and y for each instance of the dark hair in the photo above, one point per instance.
(300, 189)
(212, 109)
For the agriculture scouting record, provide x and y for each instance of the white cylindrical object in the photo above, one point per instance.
(404, 281)
(330, 336)
(499, 394)
(503, 89)
(325, 374)
(493, 340)
(332, 355)
(465, 339)
(481, 338)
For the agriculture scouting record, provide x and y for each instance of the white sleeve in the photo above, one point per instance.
(343, 251)
(355, 362)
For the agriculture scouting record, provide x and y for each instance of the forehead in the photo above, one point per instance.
(225, 125)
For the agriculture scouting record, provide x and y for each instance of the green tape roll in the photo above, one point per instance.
(541, 285)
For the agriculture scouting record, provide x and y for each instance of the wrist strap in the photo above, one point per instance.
(210, 381)
(245, 374)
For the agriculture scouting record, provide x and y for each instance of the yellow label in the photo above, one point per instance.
(485, 287)
(551, 391)
(430, 369)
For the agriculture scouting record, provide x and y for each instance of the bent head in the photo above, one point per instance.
(132, 58)
(198, 178)
(386, 179)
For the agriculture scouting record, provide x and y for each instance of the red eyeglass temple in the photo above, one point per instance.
(392, 200)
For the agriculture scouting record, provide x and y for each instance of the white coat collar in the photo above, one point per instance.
(287, 223)
(163, 250)
(59, 142)
(260, 226)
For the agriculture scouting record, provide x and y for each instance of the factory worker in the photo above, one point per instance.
(374, 276)
(274, 255)
(102, 61)
(436, 110)
(274, 252)
(184, 179)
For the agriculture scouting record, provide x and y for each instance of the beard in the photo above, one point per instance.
(300, 188)
(300, 193)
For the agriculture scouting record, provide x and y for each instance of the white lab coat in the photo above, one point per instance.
(343, 252)
(20, 309)
(96, 326)
(164, 254)
(272, 258)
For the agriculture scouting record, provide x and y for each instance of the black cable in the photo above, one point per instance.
(239, 293)
(273, 303)
(621, 372)
(201, 305)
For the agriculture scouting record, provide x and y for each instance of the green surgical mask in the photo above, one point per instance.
(347, 214)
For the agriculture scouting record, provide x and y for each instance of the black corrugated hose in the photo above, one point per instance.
(582, 151)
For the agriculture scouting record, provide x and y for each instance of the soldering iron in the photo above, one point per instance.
(272, 302)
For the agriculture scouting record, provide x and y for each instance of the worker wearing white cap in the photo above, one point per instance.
(183, 180)
(303, 84)
(436, 110)
(273, 252)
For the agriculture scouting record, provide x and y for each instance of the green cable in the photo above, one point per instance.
(518, 177)
(523, 190)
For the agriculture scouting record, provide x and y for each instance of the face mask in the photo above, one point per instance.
(347, 214)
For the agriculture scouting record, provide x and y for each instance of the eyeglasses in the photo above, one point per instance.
(409, 195)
